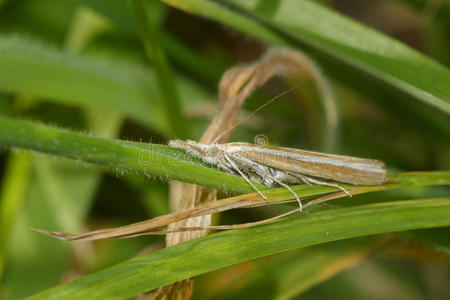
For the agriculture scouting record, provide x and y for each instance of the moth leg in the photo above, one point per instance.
(225, 168)
(289, 189)
(267, 174)
(315, 181)
(233, 164)
(301, 177)
(255, 168)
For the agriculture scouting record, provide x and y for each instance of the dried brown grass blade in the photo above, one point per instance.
(155, 225)
(235, 86)
(152, 226)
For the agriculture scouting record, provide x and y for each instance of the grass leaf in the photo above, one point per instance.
(359, 47)
(216, 251)
(120, 14)
(160, 160)
(149, 29)
(31, 68)
(287, 275)
(119, 156)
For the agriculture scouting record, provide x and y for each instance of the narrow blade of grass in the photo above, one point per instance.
(373, 53)
(118, 156)
(120, 14)
(31, 68)
(286, 276)
(216, 251)
(13, 194)
(59, 194)
(167, 88)
(163, 161)
(34, 69)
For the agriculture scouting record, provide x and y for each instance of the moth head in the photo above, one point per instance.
(208, 153)
(191, 147)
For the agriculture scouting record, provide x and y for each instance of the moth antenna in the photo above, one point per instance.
(257, 110)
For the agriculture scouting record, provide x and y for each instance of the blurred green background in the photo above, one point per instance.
(82, 65)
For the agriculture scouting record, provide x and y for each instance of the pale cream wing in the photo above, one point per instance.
(330, 166)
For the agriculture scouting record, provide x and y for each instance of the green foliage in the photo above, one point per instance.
(35, 70)
(80, 78)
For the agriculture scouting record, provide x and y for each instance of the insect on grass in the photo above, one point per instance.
(269, 165)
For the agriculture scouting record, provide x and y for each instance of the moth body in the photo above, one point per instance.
(269, 165)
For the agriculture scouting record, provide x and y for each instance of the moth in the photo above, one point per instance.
(269, 165)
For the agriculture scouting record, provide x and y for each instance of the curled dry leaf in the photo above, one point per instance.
(235, 86)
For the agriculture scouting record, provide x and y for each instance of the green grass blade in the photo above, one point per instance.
(214, 11)
(12, 197)
(59, 194)
(362, 48)
(168, 90)
(286, 275)
(31, 68)
(160, 160)
(438, 238)
(216, 251)
(120, 14)
(118, 156)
